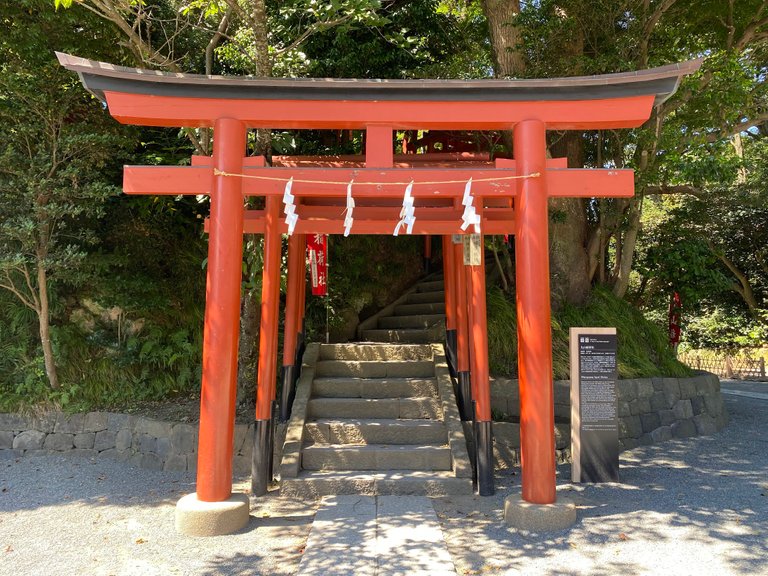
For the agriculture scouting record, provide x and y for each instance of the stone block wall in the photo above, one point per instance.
(650, 410)
(143, 442)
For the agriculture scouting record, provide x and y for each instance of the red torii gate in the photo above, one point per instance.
(512, 199)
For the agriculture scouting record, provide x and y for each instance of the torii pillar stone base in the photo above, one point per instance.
(197, 518)
(531, 517)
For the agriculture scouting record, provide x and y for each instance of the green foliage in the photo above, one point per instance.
(643, 348)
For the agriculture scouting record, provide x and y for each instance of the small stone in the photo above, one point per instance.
(119, 455)
(698, 405)
(147, 444)
(123, 439)
(645, 388)
(630, 427)
(104, 440)
(151, 462)
(95, 422)
(85, 440)
(667, 417)
(659, 401)
(13, 422)
(153, 428)
(117, 422)
(688, 388)
(714, 404)
(624, 409)
(662, 434)
(29, 440)
(6, 439)
(59, 442)
(705, 424)
(163, 447)
(645, 440)
(627, 390)
(671, 391)
(45, 423)
(684, 429)
(650, 421)
(69, 424)
(683, 409)
(640, 406)
(175, 463)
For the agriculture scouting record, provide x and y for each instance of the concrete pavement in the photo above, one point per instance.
(376, 535)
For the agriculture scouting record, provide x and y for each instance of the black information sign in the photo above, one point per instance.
(595, 441)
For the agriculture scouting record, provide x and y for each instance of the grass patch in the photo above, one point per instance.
(643, 348)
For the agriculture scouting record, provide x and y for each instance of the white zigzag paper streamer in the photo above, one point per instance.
(290, 208)
(350, 208)
(470, 216)
(407, 216)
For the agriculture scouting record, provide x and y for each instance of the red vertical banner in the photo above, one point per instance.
(317, 252)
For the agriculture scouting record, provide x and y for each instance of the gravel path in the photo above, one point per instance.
(697, 507)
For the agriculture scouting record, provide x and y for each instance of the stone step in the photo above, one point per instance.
(413, 309)
(376, 431)
(374, 387)
(377, 352)
(375, 457)
(314, 484)
(418, 321)
(386, 408)
(431, 286)
(375, 369)
(405, 336)
(426, 297)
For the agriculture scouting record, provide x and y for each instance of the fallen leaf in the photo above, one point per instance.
(8, 549)
(141, 541)
(623, 536)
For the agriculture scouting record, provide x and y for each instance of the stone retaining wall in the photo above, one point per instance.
(143, 442)
(650, 410)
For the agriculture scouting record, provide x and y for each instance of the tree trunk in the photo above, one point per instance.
(250, 318)
(505, 36)
(569, 259)
(45, 327)
(627, 252)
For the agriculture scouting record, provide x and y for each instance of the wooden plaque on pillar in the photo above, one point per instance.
(594, 405)
(473, 249)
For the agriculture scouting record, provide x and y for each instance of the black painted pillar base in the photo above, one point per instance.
(301, 346)
(286, 398)
(484, 450)
(450, 351)
(464, 396)
(262, 448)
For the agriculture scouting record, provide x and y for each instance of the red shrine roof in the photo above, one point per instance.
(151, 97)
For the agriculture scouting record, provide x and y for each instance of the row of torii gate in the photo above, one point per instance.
(508, 196)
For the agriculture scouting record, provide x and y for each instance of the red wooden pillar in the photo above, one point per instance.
(267, 371)
(291, 323)
(302, 300)
(222, 316)
(427, 253)
(462, 335)
(481, 391)
(449, 282)
(537, 439)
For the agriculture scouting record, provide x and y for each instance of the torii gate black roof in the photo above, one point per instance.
(99, 77)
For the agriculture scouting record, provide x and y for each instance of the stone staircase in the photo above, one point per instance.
(376, 419)
(417, 317)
